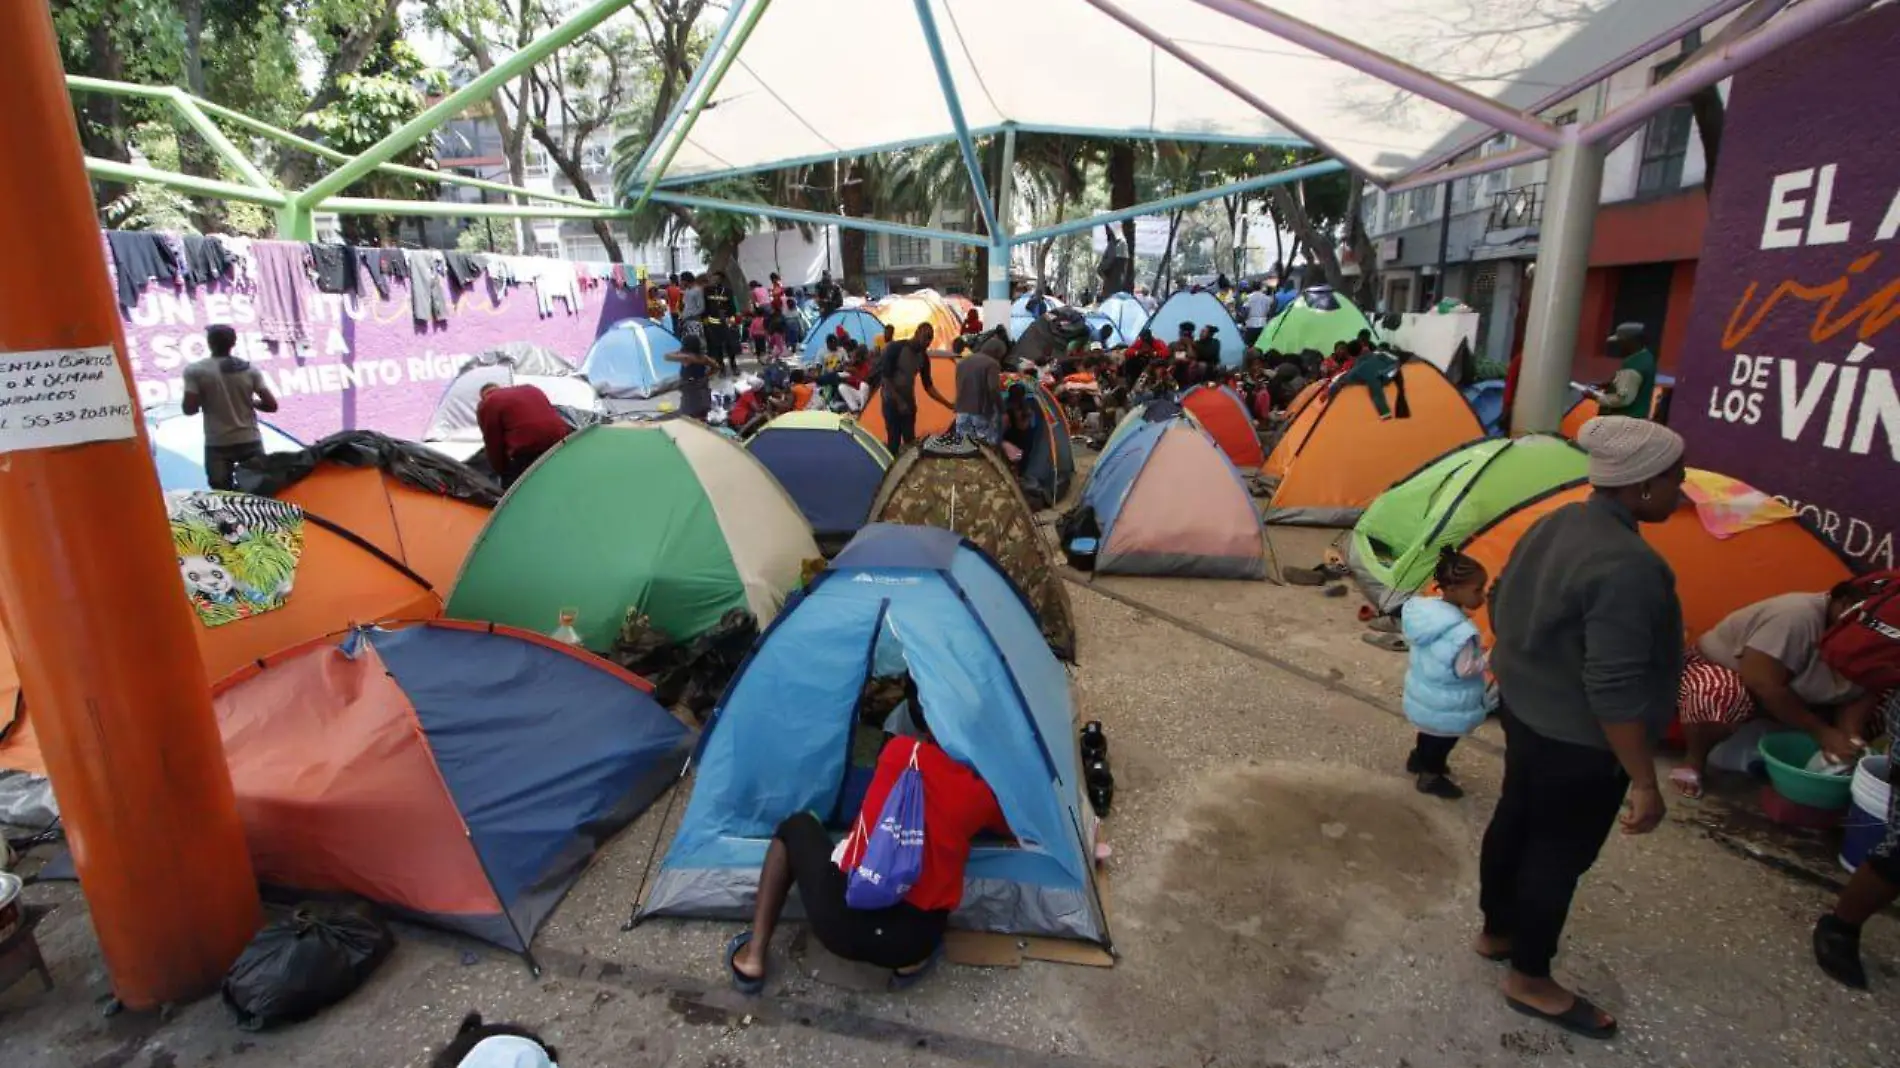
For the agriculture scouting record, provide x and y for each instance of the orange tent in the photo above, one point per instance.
(428, 532)
(1713, 576)
(1300, 415)
(1342, 454)
(1580, 413)
(932, 418)
(905, 312)
(1224, 416)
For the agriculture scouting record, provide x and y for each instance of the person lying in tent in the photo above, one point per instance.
(1019, 424)
(852, 898)
(1764, 659)
(519, 424)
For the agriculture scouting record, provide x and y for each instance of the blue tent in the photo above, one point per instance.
(1127, 313)
(1167, 501)
(1019, 317)
(462, 774)
(829, 465)
(1201, 309)
(1487, 399)
(1116, 339)
(897, 598)
(178, 446)
(629, 359)
(859, 323)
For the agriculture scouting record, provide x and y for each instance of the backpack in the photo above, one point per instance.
(1864, 646)
(890, 857)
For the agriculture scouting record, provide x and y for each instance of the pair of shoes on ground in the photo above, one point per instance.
(1435, 783)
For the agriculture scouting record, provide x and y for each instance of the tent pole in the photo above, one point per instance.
(1556, 311)
(692, 87)
(819, 218)
(107, 647)
(954, 104)
(721, 64)
(1184, 200)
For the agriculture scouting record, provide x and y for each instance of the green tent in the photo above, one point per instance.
(668, 517)
(1396, 542)
(1307, 324)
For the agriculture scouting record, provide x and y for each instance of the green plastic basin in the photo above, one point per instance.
(1787, 754)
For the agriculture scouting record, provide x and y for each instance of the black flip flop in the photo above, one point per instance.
(742, 982)
(1579, 1019)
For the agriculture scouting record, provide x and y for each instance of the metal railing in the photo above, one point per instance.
(1517, 209)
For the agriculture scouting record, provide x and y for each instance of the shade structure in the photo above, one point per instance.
(342, 580)
(1202, 309)
(452, 429)
(1714, 576)
(1019, 317)
(1221, 412)
(668, 518)
(1168, 502)
(955, 484)
(1395, 544)
(771, 112)
(429, 533)
(829, 465)
(904, 313)
(857, 323)
(629, 359)
(458, 774)
(1317, 319)
(932, 418)
(178, 446)
(1127, 313)
(905, 599)
(1343, 455)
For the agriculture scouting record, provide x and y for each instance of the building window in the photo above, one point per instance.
(1394, 211)
(871, 250)
(586, 249)
(1665, 141)
(536, 163)
(909, 251)
(1564, 118)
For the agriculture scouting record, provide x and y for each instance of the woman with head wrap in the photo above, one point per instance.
(1588, 650)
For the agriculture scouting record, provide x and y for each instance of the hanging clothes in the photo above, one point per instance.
(206, 259)
(335, 268)
(242, 264)
(395, 263)
(140, 257)
(426, 300)
(556, 281)
(369, 261)
(283, 290)
(463, 269)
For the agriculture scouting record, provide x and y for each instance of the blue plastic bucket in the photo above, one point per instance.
(1866, 821)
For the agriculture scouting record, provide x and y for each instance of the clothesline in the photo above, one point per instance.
(285, 275)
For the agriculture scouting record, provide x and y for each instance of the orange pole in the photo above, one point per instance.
(88, 581)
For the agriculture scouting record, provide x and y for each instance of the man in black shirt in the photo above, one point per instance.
(722, 338)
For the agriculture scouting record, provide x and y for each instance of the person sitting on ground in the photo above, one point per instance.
(858, 373)
(1444, 677)
(1019, 424)
(748, 411)
(801, 390)
(1765, 658)
(1156, 381)
(972, 322)
(1182, 347)
(1207, 352)
(906, 937)
(518, 425)
(1337, 362)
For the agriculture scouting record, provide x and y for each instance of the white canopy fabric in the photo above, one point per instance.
(1066, 65)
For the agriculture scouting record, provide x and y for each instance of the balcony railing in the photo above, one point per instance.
(1517, 209)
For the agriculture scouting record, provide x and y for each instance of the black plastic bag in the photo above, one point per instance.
(301, 964)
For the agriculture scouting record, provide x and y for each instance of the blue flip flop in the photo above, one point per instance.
(742, 982)
(906, 980)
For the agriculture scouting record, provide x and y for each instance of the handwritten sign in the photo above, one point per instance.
(62, 397)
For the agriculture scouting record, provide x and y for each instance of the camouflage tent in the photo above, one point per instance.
(956, 484)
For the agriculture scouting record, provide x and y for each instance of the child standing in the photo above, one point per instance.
(755, 330)
(1444, 681)
(775, 330)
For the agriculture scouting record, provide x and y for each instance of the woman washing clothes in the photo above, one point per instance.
(906, 937)
(1765, 659)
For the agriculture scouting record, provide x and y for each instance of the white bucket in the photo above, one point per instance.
(1866, 821)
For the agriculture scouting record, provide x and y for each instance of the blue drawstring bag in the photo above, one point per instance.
(893, 854)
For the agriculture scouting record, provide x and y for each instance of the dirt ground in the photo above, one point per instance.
(1279, 896)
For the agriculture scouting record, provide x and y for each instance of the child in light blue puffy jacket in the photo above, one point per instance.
(1445, 694)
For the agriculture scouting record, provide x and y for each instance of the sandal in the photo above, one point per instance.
(1688, 782)
(906, 980)
(1579, 1019)
(743, 983)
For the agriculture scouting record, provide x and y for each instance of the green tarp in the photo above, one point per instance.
(1396, 542)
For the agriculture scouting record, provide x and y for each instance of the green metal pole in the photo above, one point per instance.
(455, 103)
(112, 88)
(674, 141)
(187, 107)
(456, 210)
(184, 183)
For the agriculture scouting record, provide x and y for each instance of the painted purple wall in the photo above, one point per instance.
(1788, 376)
(371, 365)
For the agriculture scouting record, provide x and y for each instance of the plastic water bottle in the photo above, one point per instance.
(564, 632)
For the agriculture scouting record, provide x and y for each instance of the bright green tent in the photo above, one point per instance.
(667, 517)
(1304, 325)
(1396, 542)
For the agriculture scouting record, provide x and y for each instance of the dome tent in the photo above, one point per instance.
(1019, 317)
(779, 742)
(669, 517)
(932, 418)
(1220, 411)
(1202, 309)
(1167, 501)
(429, 533)
(855, 322)
(905, 313)
(828, 464)
(1126, 313)
(452, 429)
(178, 446)
(1317, 319)
(629, 359)
(956, 484)
(1395, 544)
